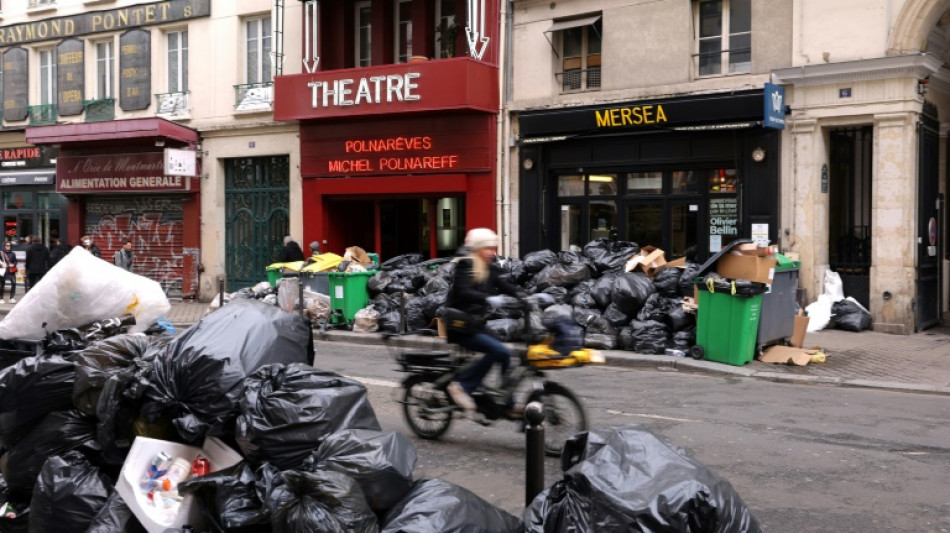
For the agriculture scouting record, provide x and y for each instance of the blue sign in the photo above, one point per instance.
(774, 115)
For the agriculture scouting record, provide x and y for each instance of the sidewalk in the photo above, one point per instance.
(909, 363)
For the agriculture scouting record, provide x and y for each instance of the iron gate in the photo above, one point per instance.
(257, 212)
(928, 217)
(850, 210)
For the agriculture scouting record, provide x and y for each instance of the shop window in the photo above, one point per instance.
(685, 181)
(603, 220)
(570, 185)
(50, 200)
(602, 184)
(645, 224)
(723, 36)
(105, 69)
(403, 30)
(18, 200)
(579, 50)
(645, 182)
(446, 30)
(363, 34)
(722, 180)
(571, 238)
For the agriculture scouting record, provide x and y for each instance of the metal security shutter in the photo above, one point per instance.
(154, 225)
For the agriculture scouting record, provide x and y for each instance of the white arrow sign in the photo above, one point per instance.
(475, 31)
(310, 59)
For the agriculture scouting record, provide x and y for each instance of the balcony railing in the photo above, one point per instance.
(99, 110)
(254, 96)
(579, 80)
(42, 115)
(172, 104)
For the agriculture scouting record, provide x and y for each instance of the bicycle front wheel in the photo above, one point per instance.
(564, 416)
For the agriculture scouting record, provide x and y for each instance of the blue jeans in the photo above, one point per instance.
(495, 352)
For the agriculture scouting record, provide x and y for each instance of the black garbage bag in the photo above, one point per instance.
(600, 325)
(119, 403)
(849, 316)
(503, 306)
(400, 262)
(104, 359)
(235, 496)
(558, 293)
(667, 282)
(600, 291)
(583, 315)
(615, 316)
(649, 337)
(580, 295)
(657, 307)
(437, 506)
(288, 410)
(431, 303)
(436, 285)
(115, 517)
(556, 310)
(56, 434)
(535, 262)
(630, 291)
(600, 341)
(562, 274)
(377, 284)
(684, 339)
(416, 313)
(198, 378)
(687, 278)
(17, 524)
(609, 256)
(64, 340)
(567, 335)
(318, 502)
(627, 479)
(679, 318)
(389, 321)
(381, 462)
(512, 269)
(68, 494)
(505, 329)
(625, 338)
(33, 388)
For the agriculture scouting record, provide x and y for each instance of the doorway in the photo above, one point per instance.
(849, 209)
(928, 217)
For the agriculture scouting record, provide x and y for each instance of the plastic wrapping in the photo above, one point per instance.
(400, 261)
(849, 315)
(234, 496)
(610, 255)
(615, 316)
(104, 359)
(381, 462)
(68, 495)
(535, 262)
(68, 297)
(198, 379)
(629, 480)
(562, 273)
(287, 411)
(666, 282)
(687, 277)
(437, 506)
(318, 502)
(31, 389)
(630, 291)
(115, 517)
(649, 337)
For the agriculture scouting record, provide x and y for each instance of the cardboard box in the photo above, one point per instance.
(800, 328)
(748, 267)
(650, 263)
(440, 327)
(786, 355)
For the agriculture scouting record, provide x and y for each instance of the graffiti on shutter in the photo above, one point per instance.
(154, 225)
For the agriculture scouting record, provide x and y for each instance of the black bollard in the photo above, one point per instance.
(300, 294)
(534, 451)
(402, 312)
(220, 292)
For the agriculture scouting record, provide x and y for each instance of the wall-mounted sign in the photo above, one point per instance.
(181, 162)
(117, 173)
(392, 154)
(70, 78)
(724, 216)
(16, 84)
(365, 90)
(824, 178)
(28, 157)
(110, 20)
(135, 70)
(774, 101)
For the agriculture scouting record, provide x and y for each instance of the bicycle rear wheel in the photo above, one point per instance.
(564, 416)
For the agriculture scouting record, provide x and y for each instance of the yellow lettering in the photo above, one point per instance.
(165, 7)
(132, 91)
(69, 76)
(648, 114)
(624, 116)
(124, 17)
(130, 73)
(660, 115)
(614, 117)
(149, 13)
(70, 96)
(30, 32)
(637, 115)
(70, 27)
(187, 11)
(96, 22)
(9, 104)
(110, 21)
(601, 119)
(57, 27)
(130, 48)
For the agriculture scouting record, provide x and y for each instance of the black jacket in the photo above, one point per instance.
(291, 252)
(37, 258)
(10, 259)
(58, 252)
(469, 296)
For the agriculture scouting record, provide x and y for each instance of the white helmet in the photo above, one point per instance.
(479, 238)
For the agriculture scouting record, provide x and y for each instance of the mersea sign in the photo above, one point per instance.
(103, 21)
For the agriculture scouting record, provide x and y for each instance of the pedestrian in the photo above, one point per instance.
(123, 257)
(90, 246)
(8, 266)
(37, 262)
(57, 251)
(291, 251)
(314, 248)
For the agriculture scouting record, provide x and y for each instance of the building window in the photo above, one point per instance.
(579, 53)
(724, 39)
(403, 33)
(47, 77)
(105, 66)
(177, 42)
(446, 30)
(363, 41)
(259, 69)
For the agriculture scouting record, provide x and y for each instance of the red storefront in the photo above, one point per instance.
(395, 158)
(118, 188)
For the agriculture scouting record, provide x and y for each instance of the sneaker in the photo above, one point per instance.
(12, 300)
(3, 301)
(460, 397)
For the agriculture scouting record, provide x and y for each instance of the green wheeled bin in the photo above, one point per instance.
(727, 321)
(348, 293)
(273, 274)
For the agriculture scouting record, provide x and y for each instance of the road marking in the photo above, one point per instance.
(655, 417)
(375, 382)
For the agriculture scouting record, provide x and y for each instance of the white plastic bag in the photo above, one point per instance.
(833, 285)
(819, 312)
(81, 289)
(366, 320)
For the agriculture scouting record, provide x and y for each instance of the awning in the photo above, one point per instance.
(88, 133)
(573, 23)
(35, 177)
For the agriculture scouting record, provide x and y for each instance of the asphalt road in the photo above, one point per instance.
(803, 457)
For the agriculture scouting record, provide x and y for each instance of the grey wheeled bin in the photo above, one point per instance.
(777, 317)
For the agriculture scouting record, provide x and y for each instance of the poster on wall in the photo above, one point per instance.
(69, 77)
(16, 84)
(723, 221)
(135, 70)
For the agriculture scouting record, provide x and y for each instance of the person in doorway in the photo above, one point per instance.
(57, 251)
(90, 246)
(291, 251)
(477, 277)
(8, 268)
(37, 262)
(123, 257)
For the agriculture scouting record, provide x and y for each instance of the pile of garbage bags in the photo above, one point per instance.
(313, 456)
(615, 308)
